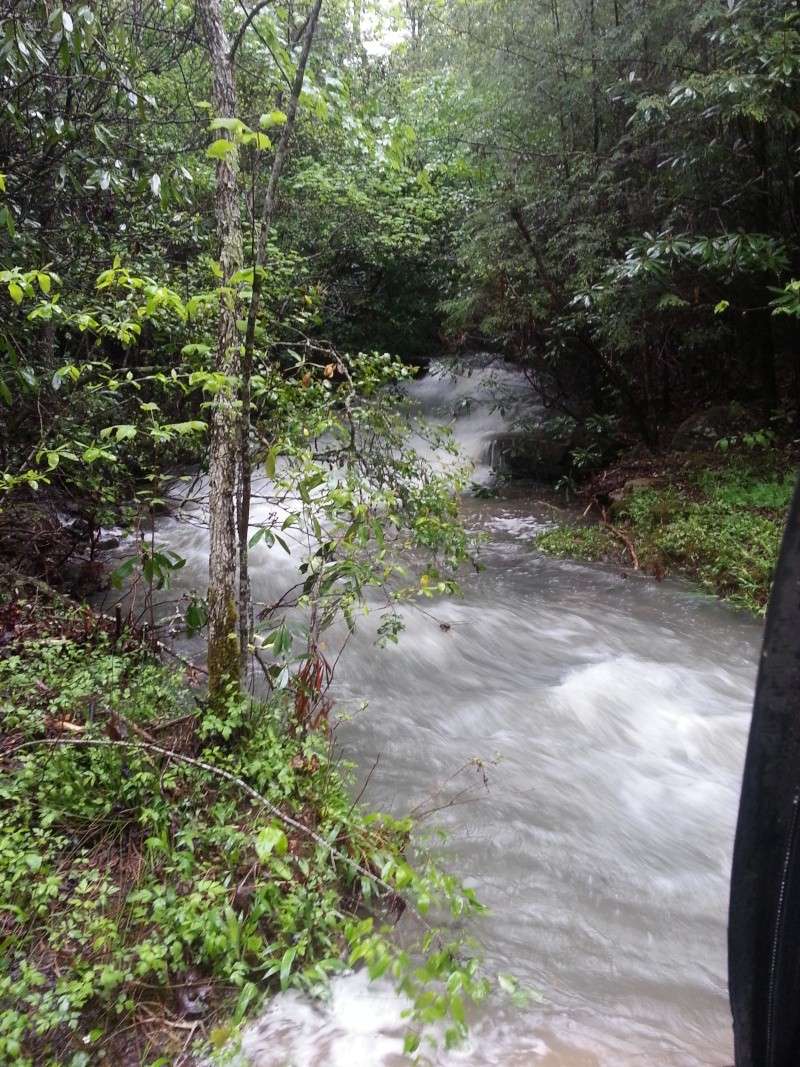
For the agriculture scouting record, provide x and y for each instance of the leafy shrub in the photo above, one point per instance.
(148, 870)
(723, 529)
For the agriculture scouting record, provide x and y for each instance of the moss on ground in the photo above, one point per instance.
(720, 527)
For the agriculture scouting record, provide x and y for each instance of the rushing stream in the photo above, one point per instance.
(611, 712)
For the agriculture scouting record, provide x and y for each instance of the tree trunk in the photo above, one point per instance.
(224, 668)
(267, 217)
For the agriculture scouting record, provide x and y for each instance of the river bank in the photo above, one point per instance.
(596, 727)
(164, 867)
(713, 517)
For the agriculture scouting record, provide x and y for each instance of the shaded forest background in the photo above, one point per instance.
(198, 276)
(606, 190)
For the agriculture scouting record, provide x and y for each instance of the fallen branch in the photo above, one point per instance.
(228, 776)
(625, 540)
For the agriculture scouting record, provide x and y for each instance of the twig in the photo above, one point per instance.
(625, 540)
(363, 788)
(243, 28)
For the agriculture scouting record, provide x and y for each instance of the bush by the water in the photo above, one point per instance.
(161, 867)
(720, 527)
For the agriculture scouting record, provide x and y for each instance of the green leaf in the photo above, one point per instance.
(260, 140)
(272, 118)
(286, 965)
(270, 461)
(411, 1043)
(220, 148)
(124, 571)
(231, 125)
(7, 220)
(91, 454)
(184, 428)
(457, 1009)
(196, 616)
(195, 350)
(44, 282)
(260, 535)
(270, 839)
(15, 292)
(34, 861)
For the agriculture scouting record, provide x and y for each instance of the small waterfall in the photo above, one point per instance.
(480, 398)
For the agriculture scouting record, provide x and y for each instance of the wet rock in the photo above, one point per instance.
(633, 485)
(533, 454)
(83, 577)
(618, 497)
(79, 528)
(701, 431)
(421, 362)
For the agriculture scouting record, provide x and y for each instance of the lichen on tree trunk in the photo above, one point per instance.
(224, 663)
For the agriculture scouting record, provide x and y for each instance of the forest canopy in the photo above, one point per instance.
(606, 190)
(231, 234)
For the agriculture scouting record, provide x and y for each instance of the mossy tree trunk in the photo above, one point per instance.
(267, 218)
(224, 663)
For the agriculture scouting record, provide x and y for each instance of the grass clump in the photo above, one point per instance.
(721, 527)
(592, 543)
(148, 902)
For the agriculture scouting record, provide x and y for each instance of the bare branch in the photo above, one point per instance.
(243, 28)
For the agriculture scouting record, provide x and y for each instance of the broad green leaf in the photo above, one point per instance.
(272, 118)
(184, 428)
(260, 140)
(270, 839)
(7, 220)
(231, 125)
(270, 462)
(411, 1043)
(123, 571)
(220, 148)
(457, 1009)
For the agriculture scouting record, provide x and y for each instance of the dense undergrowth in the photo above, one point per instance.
(161, 869)
(721, 526)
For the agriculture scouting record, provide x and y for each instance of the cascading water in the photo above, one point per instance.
(611, 714)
